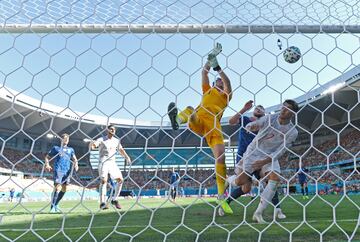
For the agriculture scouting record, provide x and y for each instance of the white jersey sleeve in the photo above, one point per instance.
(258, 124)
(98, 141)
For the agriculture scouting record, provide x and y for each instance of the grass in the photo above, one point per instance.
(155, 219)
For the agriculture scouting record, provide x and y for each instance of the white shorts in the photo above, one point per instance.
(109, 167)
(247, 166)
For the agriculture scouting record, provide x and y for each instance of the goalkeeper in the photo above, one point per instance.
(205, 119)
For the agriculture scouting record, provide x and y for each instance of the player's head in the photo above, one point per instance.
(111, 129)
(65, 139)
(218, 83)
(289, 109)
(259, 111)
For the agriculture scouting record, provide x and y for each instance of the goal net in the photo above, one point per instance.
(76, 67)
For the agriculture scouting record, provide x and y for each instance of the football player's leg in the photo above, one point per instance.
(103, 174)
(116, 174)
(177, 118)
(54, 197)
(220, 169)
(65, 181)
(57, 182)
(266, 196)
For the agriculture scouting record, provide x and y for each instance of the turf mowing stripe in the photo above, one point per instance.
(139, 226)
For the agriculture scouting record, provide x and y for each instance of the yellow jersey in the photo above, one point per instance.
(213, 101)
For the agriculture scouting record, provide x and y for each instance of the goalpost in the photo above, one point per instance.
(101, 62)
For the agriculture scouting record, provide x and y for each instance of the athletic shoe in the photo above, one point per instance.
(225, 206)
(257, 217)
(103, 206)
(116, 204)
(221, 212)
(306, 197)
(172, 112)
(57, 209)
(53, 210)
(279, 214)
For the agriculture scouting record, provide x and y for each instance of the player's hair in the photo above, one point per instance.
(294, 105)
(110, 126)
(65, 135)
(217, 78)
(260, 106)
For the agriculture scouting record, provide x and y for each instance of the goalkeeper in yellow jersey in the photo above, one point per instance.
(205, 119)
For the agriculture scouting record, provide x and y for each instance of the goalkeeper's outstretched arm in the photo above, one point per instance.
(205, 74)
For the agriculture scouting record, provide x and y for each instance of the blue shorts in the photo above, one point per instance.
(61, 177)
(302, 182)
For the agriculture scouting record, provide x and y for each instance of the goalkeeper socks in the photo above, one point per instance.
(275, 200)
(302, 191)
(184, 115)
(220, 177)
(266, 196)
(54, 198)
(306, 191)
(235, 194)
(59, 197)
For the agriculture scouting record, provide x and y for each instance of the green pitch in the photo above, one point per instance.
(151, 219)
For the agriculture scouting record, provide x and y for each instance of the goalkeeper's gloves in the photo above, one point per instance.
(212, 60)
(217, 49)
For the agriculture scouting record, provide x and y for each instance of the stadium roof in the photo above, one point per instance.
(327, 105)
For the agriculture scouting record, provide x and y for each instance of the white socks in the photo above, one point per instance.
(231, 180)
(102, 190)
(266, 196)
(117, 190)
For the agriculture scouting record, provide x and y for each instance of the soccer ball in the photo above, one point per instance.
(292, 54)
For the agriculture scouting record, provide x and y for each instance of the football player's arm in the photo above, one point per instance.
(205, 78)
(47, 158)
(75, 160)
(234, 120)
(47, 162)
(124, 154)
(95, 144)
(227, 84)
(258, 124)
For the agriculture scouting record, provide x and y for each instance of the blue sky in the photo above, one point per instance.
(136, 75)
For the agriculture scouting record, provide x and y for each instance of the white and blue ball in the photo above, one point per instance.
(292, 54)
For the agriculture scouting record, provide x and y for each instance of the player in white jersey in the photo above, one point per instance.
(108, 146)
(275, 133)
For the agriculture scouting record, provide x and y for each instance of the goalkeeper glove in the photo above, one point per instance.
(217, 49)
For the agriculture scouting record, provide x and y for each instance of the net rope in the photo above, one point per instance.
(77, 66)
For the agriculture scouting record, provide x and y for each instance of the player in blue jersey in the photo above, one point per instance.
(64, 159)
(245, 138)
(303, 182)
(174, 182)
(12, 194)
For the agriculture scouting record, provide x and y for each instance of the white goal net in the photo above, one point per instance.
(76, 67)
